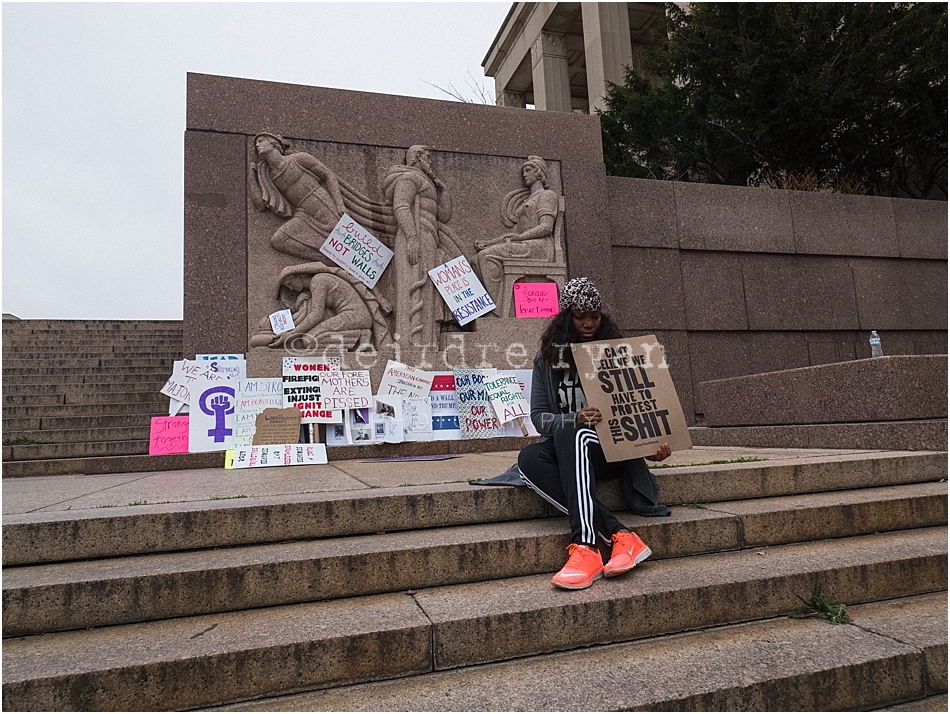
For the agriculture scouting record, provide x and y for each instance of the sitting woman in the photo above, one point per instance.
(563, 465)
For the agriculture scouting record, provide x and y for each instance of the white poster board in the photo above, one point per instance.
(184, 374)
(303, 388)
(253, 396)
(249, 457)
(405, 381)
(211, 427)
(506, 397)
(461, 289)
(229, 366)
(357, 251)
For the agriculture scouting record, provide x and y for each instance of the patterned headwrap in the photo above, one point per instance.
(580, 293)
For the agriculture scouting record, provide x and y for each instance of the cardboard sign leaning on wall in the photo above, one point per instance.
(629, 381)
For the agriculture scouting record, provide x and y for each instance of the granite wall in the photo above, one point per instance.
(738, 281)
(733, 281)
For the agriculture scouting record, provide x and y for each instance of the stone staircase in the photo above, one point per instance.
(437, 597)
(75, 390)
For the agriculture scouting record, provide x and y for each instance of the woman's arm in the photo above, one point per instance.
(544, 412)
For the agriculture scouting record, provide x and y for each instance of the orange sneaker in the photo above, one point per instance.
(584, 566)
(628, 551)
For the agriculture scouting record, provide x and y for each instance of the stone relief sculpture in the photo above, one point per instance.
(326, 302)
(532, 211)
(323, 298)
(422, 208)
(300, 188)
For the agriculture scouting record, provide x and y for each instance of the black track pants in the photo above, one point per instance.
(563, 470)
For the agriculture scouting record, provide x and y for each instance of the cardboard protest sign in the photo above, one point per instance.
(346, 390)
(357, 251)
(536, 300)
(629, 381)
(168, 435)
(405, 381)
(461, 289)
(506, 397)
(281, 321)
(303, 389)
(229, 366)
(277, 426)
(246, 457)
(211, 426)
(252, 397)
(444, 408)
(477, 419)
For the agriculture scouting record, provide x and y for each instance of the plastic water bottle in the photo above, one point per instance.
(876, 345)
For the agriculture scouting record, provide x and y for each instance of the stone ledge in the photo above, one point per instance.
(895, 388)
(898, 436)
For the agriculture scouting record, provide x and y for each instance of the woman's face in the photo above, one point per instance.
(586, 323)
(530, 175)
(264, 143)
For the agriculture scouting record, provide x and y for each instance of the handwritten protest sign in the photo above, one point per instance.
(277, 426)
(211, 426)
(281, 321)
(246, 457)
(346, 390)
(405, 381)
(184, 374)
(477, 419)
(253, 396)
(303, 389)
(507, 399)
(357, 251)
(629, 381)
(169, 435)
(461, 289)
(536, 300)
(229, 366)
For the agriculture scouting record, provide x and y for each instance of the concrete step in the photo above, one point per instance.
(92, 392)
(92, 326)
(49, 598)
(27, 354)
(115, 464)
(40, 425)
(28, 452)
(58, 345)
(155, 408)
(70, 363)
(240, 655)
(24, 374)
(57, 536)
(79, 436)
(892, 652)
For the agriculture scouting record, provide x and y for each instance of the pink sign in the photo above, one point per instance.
(169, 435)
(536, 300)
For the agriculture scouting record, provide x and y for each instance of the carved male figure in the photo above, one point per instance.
(420, 204)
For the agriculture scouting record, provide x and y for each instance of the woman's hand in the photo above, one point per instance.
(589, 416)
(661, 453)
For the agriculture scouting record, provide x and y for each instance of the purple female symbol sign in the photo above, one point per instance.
(211, 425)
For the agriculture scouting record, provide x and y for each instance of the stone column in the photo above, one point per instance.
(552, 88)
(607, 47)
(504, 98)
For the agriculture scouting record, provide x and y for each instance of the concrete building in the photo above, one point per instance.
(559, 56)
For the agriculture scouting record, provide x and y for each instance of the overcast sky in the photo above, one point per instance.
(94, 121)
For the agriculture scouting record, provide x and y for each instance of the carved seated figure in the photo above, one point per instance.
(327, 303)
(533, 246)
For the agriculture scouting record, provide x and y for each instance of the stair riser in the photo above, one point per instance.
(158, 529)
(77, 450)
(675, 606)
(391, 639)
(90, 392)
(663, 597)
(117, 592)
(84, 410)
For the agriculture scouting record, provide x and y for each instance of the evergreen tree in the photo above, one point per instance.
(851, 95)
